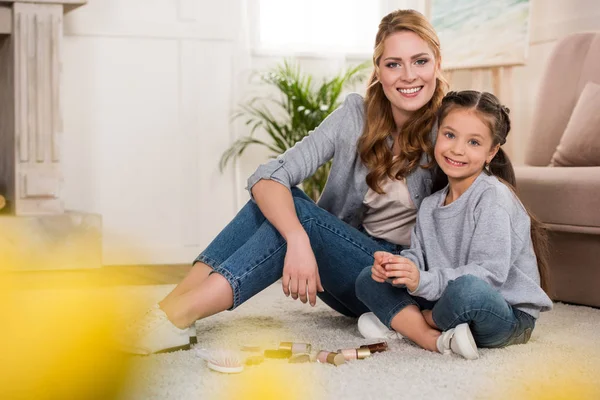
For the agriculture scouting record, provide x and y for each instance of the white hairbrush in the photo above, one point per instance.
(224, 361)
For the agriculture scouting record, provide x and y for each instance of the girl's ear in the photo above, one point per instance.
(492, 153)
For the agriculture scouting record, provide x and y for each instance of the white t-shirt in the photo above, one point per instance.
(392, 215)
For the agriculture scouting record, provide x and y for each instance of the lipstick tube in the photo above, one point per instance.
(330, 358)
(278, 353)
(295, 348)
(299, 358)
(375, 347)
(355, 354)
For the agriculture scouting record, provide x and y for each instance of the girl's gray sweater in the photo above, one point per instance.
(485, 233)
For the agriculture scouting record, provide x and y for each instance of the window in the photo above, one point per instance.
(317, 26)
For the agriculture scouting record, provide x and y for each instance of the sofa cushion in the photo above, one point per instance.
(580, 143)
(567, 196)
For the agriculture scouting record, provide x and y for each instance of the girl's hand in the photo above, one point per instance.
(403, 272)
(378, 270)
(300, 271)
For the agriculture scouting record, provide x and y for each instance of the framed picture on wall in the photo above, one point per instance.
(481, 33)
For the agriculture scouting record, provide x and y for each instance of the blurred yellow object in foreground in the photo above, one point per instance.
(272, 380)
(55, 344)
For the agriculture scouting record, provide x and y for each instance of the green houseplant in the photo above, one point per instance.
(302, 105)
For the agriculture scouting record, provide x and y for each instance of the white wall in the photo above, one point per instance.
(147, 88)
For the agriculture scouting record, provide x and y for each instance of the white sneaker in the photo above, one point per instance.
(458, 340)
(370, 327)
(154, 333)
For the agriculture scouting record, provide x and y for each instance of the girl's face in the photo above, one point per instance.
(407, 72)
(463, 146)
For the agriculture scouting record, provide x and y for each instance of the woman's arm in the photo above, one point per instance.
(305, 157)
(270, 188)
(300, 270)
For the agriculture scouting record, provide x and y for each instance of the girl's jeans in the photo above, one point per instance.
(467, 299)
(250, 253)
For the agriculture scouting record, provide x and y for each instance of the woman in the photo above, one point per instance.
(381, 148)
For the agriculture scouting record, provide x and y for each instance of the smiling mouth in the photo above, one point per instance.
(410, 90)
(454, 162)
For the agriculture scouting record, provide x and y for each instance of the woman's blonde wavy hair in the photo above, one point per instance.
(414, 138)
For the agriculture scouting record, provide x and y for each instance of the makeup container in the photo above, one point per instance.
(295, 348)
(254, 360)
(355, 354)
(330, 358)
(375, 347)
(251, 348)
(299, 358)
(278, 353)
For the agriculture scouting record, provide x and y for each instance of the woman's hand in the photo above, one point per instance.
(403, 272)
(378, 268)
(300, 271)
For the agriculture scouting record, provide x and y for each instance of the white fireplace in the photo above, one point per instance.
(35, 230)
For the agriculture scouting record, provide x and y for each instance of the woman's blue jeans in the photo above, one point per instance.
(467, 299)
(250, 253)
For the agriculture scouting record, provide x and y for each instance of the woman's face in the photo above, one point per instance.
(407, 72)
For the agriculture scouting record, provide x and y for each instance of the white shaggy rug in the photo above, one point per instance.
(561, 361)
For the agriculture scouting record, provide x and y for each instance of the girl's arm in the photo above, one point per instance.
(489, 256)
(415, 253)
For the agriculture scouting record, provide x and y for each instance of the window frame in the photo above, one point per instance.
(260, 51)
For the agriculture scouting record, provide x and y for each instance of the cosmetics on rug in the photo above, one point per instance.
(278, 353)
(296, 348)
(329, 357)
(375, 347)
(252, 348)
(299, 358)
(254, 360)
(355, 354)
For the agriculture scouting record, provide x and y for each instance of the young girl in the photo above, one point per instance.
(476, 258)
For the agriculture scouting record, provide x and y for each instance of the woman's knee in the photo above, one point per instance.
(309, 212)
(305, 207)
(299, 194)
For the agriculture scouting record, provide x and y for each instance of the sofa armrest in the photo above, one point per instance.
(561, 195)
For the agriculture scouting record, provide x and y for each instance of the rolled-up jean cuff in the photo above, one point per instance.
(399, 307)
(226, 274)
(206, 260)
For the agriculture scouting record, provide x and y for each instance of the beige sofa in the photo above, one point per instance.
(560, 182)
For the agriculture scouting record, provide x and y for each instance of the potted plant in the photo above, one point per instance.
(300, 108)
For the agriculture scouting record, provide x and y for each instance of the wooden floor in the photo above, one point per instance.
(101, 277)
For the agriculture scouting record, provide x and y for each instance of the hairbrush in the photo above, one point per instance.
(224, 361)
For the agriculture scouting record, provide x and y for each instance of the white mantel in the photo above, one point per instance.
(37, 233)
(30, 107)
